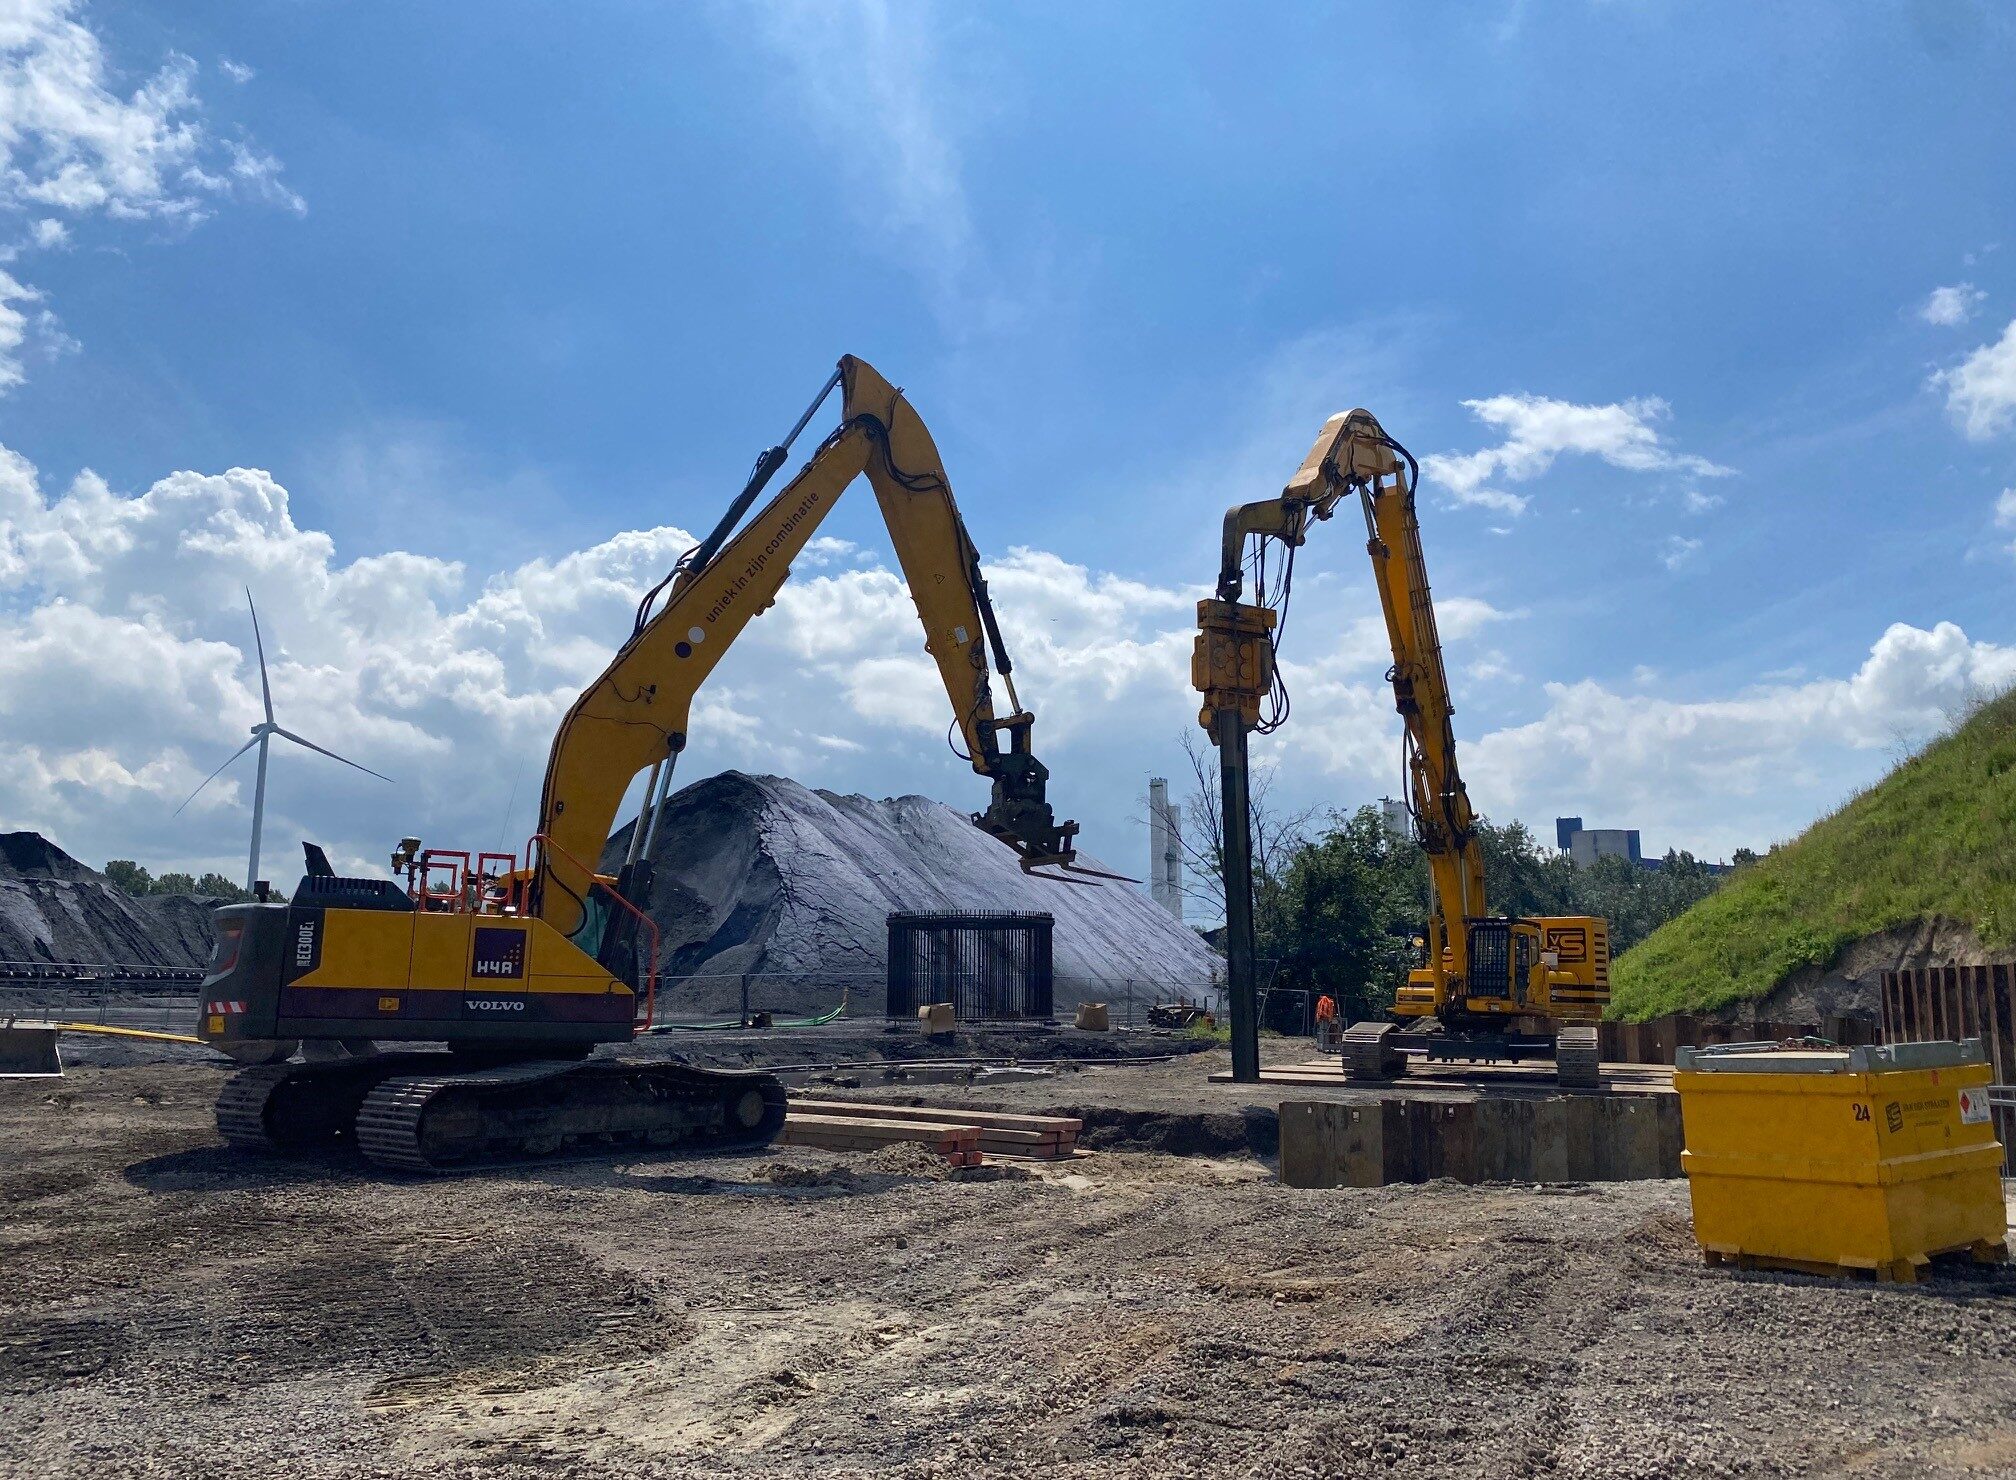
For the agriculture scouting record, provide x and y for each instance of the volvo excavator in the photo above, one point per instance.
(523, 966)
(1489, 986)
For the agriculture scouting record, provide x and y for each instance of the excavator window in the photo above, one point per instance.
(1490, 958)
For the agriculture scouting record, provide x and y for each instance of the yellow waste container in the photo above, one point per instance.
(1824, 1159)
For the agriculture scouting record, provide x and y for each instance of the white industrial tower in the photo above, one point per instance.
(1165, 848)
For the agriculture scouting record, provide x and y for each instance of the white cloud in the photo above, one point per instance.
(1950, 306)
(2005, 508)
(1538, 429)
(1981, 389)
(1697, 502)
(1678, 551)
(1717, 774)
(126, 675)
(75, 142)
(236, 71)
(13, 328)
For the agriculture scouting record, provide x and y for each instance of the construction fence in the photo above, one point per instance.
(1955, 1002)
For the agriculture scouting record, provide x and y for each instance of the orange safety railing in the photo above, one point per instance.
(649, 995)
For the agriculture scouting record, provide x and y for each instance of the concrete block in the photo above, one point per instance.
(1092, 1017)
(1324, 1144)
(1624, 1138)
(937, 1017)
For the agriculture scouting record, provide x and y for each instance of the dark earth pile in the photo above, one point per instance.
(53, 908)
(760, 874)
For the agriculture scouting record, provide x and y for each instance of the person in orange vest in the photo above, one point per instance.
(1326, 1011)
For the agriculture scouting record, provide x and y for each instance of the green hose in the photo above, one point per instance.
(812, 1022)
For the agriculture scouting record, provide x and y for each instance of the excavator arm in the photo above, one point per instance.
(1353, 454)
(637, 715)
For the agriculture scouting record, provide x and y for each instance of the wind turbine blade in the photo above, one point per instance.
(259, 643)
(216, 773)
(290, 735)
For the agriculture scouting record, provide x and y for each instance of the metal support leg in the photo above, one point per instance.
(1239, 951)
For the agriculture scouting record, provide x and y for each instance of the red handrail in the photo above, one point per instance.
(651, 968)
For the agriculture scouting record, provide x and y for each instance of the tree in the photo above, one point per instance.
(1277, 834)
(1342, 912)
(215, 885)
(175, 884)
(125, 874)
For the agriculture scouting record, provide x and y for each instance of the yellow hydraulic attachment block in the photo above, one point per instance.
(1830, 1160)
(1232, 665)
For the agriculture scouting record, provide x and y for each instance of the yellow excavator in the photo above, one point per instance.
(522, 966)
(1489, 986)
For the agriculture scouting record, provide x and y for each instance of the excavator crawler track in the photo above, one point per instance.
(417, 1112)
(452, 1122)
(303, 1106)
(1577, 1061)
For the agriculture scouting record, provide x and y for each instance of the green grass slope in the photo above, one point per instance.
(1936, 837)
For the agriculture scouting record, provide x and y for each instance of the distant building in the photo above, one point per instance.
(1587, 844)
(1394, 815)
(1584, 845)
(1165, 848)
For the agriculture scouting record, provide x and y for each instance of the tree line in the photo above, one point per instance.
(129, 877)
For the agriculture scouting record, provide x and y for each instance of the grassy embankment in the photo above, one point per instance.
(1936, 837)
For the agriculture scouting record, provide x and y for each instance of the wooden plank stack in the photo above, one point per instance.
(963, 1137)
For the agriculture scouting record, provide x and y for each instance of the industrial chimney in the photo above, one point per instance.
(1165, 848)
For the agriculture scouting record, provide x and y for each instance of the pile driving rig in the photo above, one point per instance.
(1489, 986)
(522, 967)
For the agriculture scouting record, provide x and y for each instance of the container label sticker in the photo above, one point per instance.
(1928, 1113)
(1973, 1106)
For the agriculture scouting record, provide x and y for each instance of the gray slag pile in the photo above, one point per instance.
(54, 909)
(761, 875)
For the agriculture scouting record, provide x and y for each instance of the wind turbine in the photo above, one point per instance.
(261, 734)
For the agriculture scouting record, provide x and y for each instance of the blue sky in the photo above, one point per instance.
(1696, 311)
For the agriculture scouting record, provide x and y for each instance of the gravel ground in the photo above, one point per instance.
(173, 1309)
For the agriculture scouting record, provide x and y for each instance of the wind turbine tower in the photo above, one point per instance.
(262, 734)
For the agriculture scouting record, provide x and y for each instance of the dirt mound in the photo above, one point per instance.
(54, 909)
(759, 874)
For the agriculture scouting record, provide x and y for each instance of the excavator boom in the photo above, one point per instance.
(636, 714)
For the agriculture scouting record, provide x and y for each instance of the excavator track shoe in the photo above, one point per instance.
(303, 1106)
(1577, 1060)
(1368, 1057)
(445, 1122)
